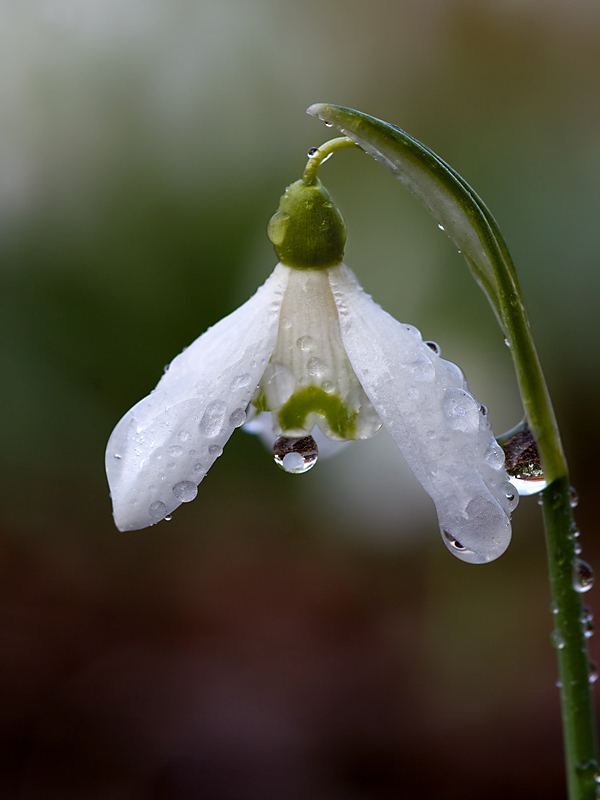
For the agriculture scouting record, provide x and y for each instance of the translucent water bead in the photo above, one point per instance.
(295, 456)
(523, 463)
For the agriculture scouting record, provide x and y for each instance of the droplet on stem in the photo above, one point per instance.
(583, 576)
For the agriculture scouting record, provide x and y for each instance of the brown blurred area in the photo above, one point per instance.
(298, 637)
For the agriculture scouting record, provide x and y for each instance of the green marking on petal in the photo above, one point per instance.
(312, 400)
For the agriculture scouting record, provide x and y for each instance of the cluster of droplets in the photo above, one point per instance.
(583, 580)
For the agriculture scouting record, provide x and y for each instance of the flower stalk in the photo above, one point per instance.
(463, 215)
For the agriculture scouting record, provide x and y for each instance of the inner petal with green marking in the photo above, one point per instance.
(309, 380)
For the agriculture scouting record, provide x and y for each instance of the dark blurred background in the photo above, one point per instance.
(281, 637)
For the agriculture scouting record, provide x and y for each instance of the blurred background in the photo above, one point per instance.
(283, 636)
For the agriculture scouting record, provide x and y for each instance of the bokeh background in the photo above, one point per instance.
(298, 637)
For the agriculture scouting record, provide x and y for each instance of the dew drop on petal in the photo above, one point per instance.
(329, 124)
(213, 418)
(237, 417)
(215, 450)
(315, 367)
(183, 436)
(175, 451)
(435, 347)
(158, 510)
(241, 381)
(453, 542)
(583, 576)
(295, 455)
(168, 518)
(304, 343)
(185, 491)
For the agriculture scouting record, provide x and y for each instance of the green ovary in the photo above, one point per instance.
(292, 416)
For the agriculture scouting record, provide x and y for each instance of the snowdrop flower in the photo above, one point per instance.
(313, 349)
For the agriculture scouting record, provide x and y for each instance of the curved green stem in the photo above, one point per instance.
(320, 154)
(464, 216)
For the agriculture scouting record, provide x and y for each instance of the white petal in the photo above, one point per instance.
(436, 423)
(162, 448)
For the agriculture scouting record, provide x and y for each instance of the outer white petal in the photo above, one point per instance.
(162, 448)
(438, 426)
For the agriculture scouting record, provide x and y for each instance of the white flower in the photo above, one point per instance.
(313, 349)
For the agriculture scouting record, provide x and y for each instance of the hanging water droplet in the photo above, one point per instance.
(441, 227)
(329, 124)
(295, 455)
(157, 510)
(484, 410)
(578, 548)
(312, 151)
(557, 639)
(593, 673)
(185, 491)
(583, 576)
(435, 347)
(453, 542)
(574, 498)
(523, 463)
(168, 518)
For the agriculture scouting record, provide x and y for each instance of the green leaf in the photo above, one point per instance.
(469, 224)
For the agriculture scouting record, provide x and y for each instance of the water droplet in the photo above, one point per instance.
(183, 436)
(329, 124)
(213, 418)
(587, 622)
(328, 386)
(578, 548)
(435, 347)
(593, 673)
(558, 684)
(118, 456)
(523, 463)
(198, 466)
(583, 576)
(452, 541)
(312, 151)
(175, 451)
(511, 495)
(237, 417)
(168, 518)
(507, 343)
(413, 331)
(185, 491)
(484, 410)
(461, 409)
(158, 510)
(295, 455)
(215, 450)
(557, 639)
(441, 227)
(574, 498)
(304, 343)
(315, 367)
(554, 608)
(241, 381)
